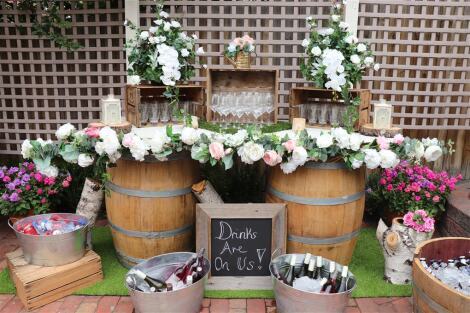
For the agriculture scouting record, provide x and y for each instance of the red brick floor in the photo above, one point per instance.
(112, 304)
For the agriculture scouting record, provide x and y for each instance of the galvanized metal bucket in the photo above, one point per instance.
(291, 300)
(185, 300)
(53, 250)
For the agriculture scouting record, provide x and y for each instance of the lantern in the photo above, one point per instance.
(110, 110)
(382, 115)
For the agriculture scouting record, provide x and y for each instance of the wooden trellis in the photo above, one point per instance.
(42, 86)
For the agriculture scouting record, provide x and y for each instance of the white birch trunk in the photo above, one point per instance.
(206, 193)
(398, 244)
(90, 200)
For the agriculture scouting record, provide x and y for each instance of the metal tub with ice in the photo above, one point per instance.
(289, 299)
(184, 300)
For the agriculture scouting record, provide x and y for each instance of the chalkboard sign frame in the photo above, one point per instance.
(206, 212)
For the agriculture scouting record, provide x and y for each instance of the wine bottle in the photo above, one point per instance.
(333, 276)
(311, 268)
(157, 284)
(318, 270)
(289, 278)
(198, 274)
(344, 280)
(276, 272)
(187, 268)
(304, 268)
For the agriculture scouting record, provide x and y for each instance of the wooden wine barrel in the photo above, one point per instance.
(430, 294)
(325, 205)
(151, 208)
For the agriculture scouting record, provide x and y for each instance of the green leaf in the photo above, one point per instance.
(228, 161)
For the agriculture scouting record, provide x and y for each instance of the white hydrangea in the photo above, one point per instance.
(85, 160)
(133, 79)
(316, 51)
(251, 152)
(184, 52)
(236, 139)
(64, 131)
(351, 39)
(136, 145)
(153, 30)
(158, 141)
(372, 158)
(109, 143)
(326, 31)
(189, 136)
(388, 158)
(144, 35)
(432, 153)
(341, 136)
(325, 140)
(26, 149)
(361, 47)
(288, 167)
(355, 141)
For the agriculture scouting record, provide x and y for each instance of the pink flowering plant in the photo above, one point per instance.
(409, 187)
(244, 44)
(23, 189)
(419, 220)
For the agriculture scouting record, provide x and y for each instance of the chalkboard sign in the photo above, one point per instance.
(240, 246)
(239, 240)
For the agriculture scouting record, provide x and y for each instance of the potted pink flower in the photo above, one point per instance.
(238, 52)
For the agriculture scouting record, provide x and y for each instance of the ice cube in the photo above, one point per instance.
(306, 283)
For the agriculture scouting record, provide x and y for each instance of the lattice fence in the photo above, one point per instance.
(42, 86)
(424, 49)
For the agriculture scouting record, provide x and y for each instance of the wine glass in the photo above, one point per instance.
(155, 112)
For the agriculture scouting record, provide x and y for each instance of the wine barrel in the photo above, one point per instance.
(151, 208)
(325, 206)
(430, 294)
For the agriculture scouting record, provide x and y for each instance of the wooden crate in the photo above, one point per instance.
(39, 285)
(135, 94)
(242, 80)
(300, 95)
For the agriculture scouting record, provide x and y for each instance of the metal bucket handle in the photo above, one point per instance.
(10, 224)
(273, 255)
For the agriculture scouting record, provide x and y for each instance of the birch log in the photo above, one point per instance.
(206, 193)
(398, 244)
(90, 200)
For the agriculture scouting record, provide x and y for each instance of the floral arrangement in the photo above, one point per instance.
(244, 44)
(336, 60)
(164, 54)
(290, 150)
(413, 187)
(419, 220)
(24, 189)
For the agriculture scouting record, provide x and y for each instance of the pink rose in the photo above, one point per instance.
(65, 184)
(127, 141)
(272, 158)
(248, 39)
(92, 132)
(383, 143)
(436, 199)
(39, 191)
(43, 200)
(398, 139)
(289, 145)
(216, 149)
(238, 41)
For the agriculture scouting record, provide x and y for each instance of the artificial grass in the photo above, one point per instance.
(367, 265)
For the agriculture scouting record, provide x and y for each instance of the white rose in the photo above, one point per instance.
(175, 24)
(361, 47)
(419, 150)
(194, 36)
(368, 60)
(164, 14)
(184, 52)
(158, 141)
(326, 31)
(356, 163)
(432, 153)
(355, 59)
(50, 171)
(144, 35)
(299, 156)
(341, 136)
(316, 51)
(305, 42)
(99, 148)
(158, 22)
(376, 66)
(344, 25)
(153, 29)
(85, 160)
(236, 139)
(189, 136)
(335, 18)
(288, 167)
(26, 149)
(324, 140)
(133, 79)
(64, 131)
(350, 39)
(388, 159)
(251, 152)
(110, 142)
(355, 141)
(200, 51)
(372, 158)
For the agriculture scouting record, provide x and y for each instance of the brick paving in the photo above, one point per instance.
(113, 304)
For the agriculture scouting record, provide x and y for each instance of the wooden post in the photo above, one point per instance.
(131, 13)
(351, 15)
